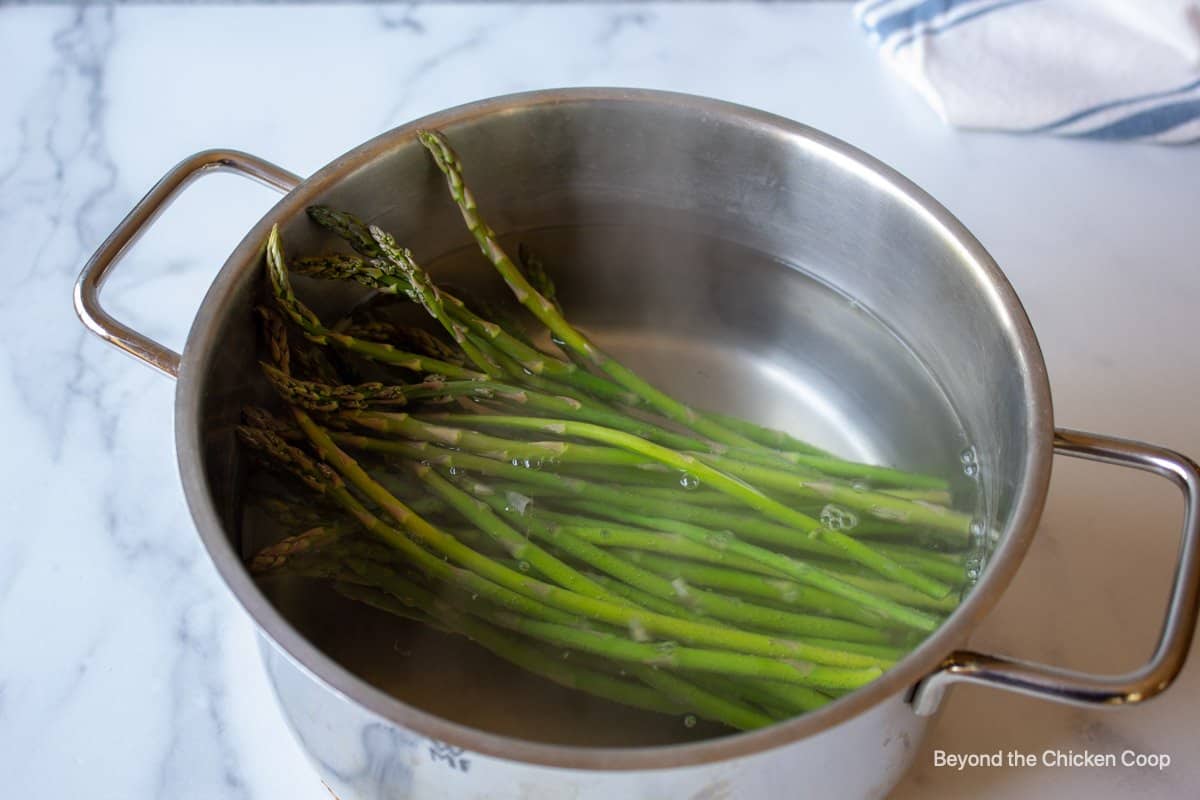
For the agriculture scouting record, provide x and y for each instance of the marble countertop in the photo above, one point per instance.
(127, 671)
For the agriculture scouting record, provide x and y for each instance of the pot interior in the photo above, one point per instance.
(745, 267)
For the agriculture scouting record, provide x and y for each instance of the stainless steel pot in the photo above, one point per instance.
(601, 161)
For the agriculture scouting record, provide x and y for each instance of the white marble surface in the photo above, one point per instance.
(125, 669)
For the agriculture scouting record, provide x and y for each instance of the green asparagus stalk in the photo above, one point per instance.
(841, 468)
(367, 272)
(563, 489)
(767, 437)
(491, 446)
(792, 699)
(549, 315)
(541, 482)
(407, 337)
(800, 571)
(619, 615)
(669, 655)
(752, 497)
(750, 584)
(534, 270)
(275, 556)
(423, 290)
(517, 545)
(814, 575)
(720, 470)
(569, 407)
(877, 504)
(316, 396)
(316, 331)
(679, 692)
(407, 596)
(706, 703)
(677, 591)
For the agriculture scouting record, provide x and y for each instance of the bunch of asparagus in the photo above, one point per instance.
(549, 502)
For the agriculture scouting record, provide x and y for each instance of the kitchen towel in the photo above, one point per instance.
(1118, 70)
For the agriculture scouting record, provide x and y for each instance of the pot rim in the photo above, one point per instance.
(925, 659)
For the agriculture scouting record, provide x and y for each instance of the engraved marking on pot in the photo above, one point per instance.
(455, 757)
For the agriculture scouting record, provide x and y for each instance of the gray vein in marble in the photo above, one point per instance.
(406, 21)
(173, 550)
(410, 83)
(619, 23)
(75, 681)
(198, 703)
(61, 225)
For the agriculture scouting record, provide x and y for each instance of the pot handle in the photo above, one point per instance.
(1084, 689)
(91, 279)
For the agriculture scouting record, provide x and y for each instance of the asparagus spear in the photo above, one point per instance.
(678, 690)
(369, 272)
(322, 397)
(752, 497)
(718, 470)
(806, 573)
(549, 315)
(841, 468)
(669, 655)
(423, 291)
(552, 596)
(749, 584)
(815, 576)
(534, 270)
(503, 449)
(418, 284)
(317, 332)
(403, 597)
(677, 591)
(413, 339)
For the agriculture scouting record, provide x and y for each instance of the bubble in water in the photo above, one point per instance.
(976, 529)
(838, 518)
(970, 462)
(860, 486)
(974, 568)
(666, 648)
(523, 566)
(454, 472)
(517, 502)
(689, 721)
(689, 481)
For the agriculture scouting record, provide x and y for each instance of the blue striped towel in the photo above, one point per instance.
(1124, 70)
